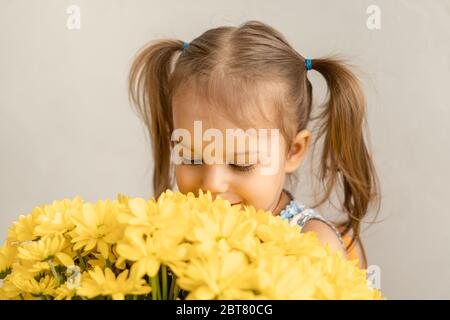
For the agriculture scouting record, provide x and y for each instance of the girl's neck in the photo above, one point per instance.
(285, 198)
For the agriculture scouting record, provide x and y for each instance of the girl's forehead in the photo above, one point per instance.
(187, 112)
(222, 108)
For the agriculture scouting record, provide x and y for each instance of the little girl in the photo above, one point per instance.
(250, 77)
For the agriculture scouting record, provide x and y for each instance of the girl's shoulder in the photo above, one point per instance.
(298, 213)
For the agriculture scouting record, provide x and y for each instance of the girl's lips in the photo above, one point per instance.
(236, 203)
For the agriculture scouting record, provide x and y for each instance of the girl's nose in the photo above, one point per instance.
(214, 178)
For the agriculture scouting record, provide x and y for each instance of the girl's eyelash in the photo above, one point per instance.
(234, 166)
(243, 168)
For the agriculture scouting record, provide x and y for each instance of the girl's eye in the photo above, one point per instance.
(243, 168)
(234, 166)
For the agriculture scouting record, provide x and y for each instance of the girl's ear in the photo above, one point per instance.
(297, 150)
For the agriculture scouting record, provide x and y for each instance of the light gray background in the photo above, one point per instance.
(67, 129)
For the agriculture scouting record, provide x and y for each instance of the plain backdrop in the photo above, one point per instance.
(67, 128)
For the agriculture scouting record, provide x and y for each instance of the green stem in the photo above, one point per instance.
(176, 290)
(172, 286)
(154, 292)
(164, 282)
(158, 287)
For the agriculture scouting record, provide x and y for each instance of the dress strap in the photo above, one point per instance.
(299, 214)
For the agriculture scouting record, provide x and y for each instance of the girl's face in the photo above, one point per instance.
(245, 182)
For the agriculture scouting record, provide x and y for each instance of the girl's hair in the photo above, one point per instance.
(236, 66)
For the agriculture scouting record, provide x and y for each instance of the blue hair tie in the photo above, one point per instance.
(308, 64)
(185, 45)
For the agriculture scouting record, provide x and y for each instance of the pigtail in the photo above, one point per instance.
(149, 92)
(345, 159)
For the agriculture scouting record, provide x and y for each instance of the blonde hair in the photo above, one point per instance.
(235, 66)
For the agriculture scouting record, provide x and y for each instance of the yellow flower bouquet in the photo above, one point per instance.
(176, 247)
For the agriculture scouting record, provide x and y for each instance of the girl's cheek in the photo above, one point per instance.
(243, 182)
(259, 190)
(188, 178)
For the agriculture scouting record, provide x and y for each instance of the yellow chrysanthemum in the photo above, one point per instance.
(99, 283)
(210, 276)
(8, 255)
(63, 292)
(150, 252)
(45, 249)
(342, 280)
(55, 219)
(169, 215)
(154, 232)
(281, 277)
(96, 226)
(221, 226)
(45, 286)
(23, 230)
(137, 211)
(9, 291)
(212, 249)
(97, 259)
